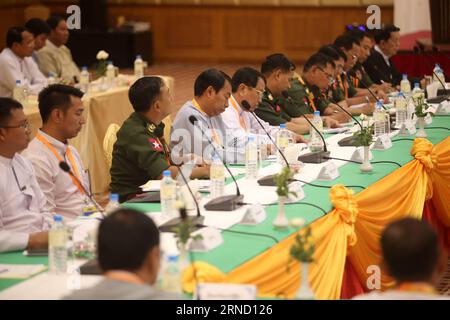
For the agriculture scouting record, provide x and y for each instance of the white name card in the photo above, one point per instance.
(328, 172)
(210, 239)
(383, 142)
(407, 129)
(443, 108)
(358, 155)
(296, 187)
(428, 119)
(225, 291)
(254, 215)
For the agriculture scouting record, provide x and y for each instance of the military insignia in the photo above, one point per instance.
(270, 97)
(155, 145)
(277, 108)
(151, 127)
(305, 100)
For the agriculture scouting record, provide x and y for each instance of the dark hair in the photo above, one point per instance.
(54, 20)
(14, 35)
(358, 34)
(210, 77)
(410, 250)
(124, 240)
(276, 61)
(144, 92)
(318, 59)
(331, 52)
(6, 105)
(37, 26)
(385, 33)
(247, 76)
(56, 96)
(345, 41)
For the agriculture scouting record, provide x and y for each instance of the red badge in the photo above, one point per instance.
(277, 108)
(155, 145)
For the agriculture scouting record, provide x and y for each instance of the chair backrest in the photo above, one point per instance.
(108, 142)
(36, 11)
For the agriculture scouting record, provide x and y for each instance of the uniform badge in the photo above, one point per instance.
(151, 127)
(277, 108)
(269, 96)
(155, 145)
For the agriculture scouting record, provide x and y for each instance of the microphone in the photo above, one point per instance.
(348, 141)
(312, 157)
(223, 203)
(65, 167)
(353, 74)
(195, 221)
(269, 180)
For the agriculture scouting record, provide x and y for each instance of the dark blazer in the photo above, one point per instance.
(379, 70)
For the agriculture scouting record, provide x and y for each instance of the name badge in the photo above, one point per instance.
(254, 215)
(210, 239)
(358, 155)
(328, 172)
(407, 129)
(428, 119)
(383, 142)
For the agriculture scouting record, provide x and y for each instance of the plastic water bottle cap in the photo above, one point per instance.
(84, 68)
(110, 63)
(405, 77)
(166, 173)
(57, 218)
(172, 258)
(17, 81)
(138, 56)
(251, 138)
(379, 105)
(416, 85)
(317, 113)
(113, 197)
(283, 126)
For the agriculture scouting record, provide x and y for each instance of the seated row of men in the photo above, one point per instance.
(35, 51)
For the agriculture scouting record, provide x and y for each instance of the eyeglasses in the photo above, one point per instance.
(330, 77)
(259, 92)
(25, 126)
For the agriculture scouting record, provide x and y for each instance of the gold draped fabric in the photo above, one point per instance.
(353, 228)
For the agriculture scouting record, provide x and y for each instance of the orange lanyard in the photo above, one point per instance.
(215, 135)
(417, 287)
(166, 149)
(69, 156)
(241, 120)
(344, 86)
(310, 95)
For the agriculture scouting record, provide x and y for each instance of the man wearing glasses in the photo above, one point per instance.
(16, 63)
(23, 219)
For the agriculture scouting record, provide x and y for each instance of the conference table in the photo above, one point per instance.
(102, 108)
(346, 223)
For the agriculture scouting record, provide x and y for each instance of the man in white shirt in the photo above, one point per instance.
(23, 218)
(55, 57)
(16, 63)
(412, 255)
(61, 111)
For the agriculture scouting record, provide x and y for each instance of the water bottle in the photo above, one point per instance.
(168, 192)
(316, 143)
(19, 92)
(110, 74)
(251, 158)
(138, 67)
(84, 79)
(171, 278)
(379, 118)
(113, 203)
(417, 92)
(401, 110)
(438, 74)
(283, 136)
(217, 176)
(405, 85)
(57, 249)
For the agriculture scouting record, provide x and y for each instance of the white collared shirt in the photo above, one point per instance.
(231, 120)
(13, 68)
(385, 57)
(63, 196)
(57, 60)
(22, 203)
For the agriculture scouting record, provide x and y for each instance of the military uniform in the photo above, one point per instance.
(140, 154)
(270, 110)
(361, 75)
(343, 89)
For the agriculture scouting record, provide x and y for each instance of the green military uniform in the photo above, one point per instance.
(140, 154)
(303, 101)
(363, 76)
(270, 110)
(338, 90)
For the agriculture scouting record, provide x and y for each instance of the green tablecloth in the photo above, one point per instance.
(237, 248)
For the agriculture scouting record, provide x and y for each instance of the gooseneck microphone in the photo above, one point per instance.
(269, 180)
(352, 140)
(65, 167)
(353, 74)
(223, 203)
(196, 221)
(312, 157)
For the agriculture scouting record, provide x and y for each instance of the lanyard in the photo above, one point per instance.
(417, 287)
(215, 135)
(165, 148)
(310, 95)
(344, 86)
(69, 156)
(241, 120)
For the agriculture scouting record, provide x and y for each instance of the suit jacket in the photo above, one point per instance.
(378, 70)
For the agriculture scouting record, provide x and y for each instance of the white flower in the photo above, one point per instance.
(102, 55)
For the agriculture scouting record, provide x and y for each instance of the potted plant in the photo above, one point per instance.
(364, 138)
(282, 180)
(302, 251)
(420, 107)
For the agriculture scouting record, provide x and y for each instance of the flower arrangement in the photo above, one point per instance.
(102, 57)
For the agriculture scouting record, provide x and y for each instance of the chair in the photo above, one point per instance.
(108, 142)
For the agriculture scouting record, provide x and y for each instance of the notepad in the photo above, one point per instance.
(20, 271)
